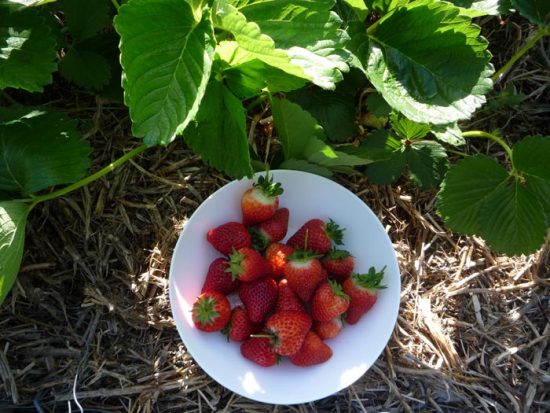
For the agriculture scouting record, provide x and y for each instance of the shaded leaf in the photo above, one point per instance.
(531, 156)
(512, 220)
(427, 163)
(167, 61)
(463, 192)
(407, 128)
(85, 18)
(383, 145)
(303, 165)
(450, 134)
(24, 168)
(13, 219)
(377, 105)
(537, 11)
(221, 140)
(86, 69)
(27, 52)
(477, 8)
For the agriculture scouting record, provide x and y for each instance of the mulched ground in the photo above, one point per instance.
(88, 324)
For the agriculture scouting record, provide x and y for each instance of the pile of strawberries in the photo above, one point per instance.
(294, 295)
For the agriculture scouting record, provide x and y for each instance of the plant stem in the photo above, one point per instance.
(497, 139)
(115, 3)
(543, 31)
(104, 171)
(372, 27)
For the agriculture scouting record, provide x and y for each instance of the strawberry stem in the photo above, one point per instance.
(370, 280)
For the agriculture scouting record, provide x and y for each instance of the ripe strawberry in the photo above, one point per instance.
(329, 301)
(218, 278)
(246, 264)
(259, 297)
(288, 329)
(339, 264)
(272, 230)
(260, 202)
(277, 255)
(211, 311)
(240, 326)
(313, 351)
(324, 274)
(320, 236)
(303, 272)
(229, 236)
(259, 351)
(328, 329)
(287, 300)
(361, 289)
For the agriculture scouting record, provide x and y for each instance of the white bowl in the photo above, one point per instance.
(355, 349)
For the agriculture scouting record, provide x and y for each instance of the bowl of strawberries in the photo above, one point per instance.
(285, 287)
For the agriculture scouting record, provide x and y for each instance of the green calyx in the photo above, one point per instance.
(259, 241)
(334, 232)
(235, 264)
(335, 254)
(370, 280)
(204, 311)
(302, 255)
(337, 290)
(268, 187)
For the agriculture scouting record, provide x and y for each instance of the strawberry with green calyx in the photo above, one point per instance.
(259, 351)
(303, 272)
(260, 202)
(259, 297)
(247, 264)
(328, 329)
(329, 301)
(219, 279)
(270, 231)
(313, 351)
(287, 300)
(229, 236)
(362, 291)
(211, 311)
(339, 264)
(240, 327)
(287, 331)
(321, 235)
(277, 255)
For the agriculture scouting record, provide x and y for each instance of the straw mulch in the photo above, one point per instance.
(88, 324)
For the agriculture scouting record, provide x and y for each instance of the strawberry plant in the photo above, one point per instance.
(196, 68)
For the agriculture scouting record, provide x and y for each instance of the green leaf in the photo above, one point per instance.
(310, 34)
(13, 218)
(531, 156)
(434, 69)
(384, 6)
(86, 69)
(537, 11)
(541, 189)
(381, 144)
(219, 132)
(407, 128)
(41, 150)
(359, 7)
(427, 163)
(295, 127)
(450, 134)
(27, 51)
(85, 18)
(166, 57)
(477, 8)
(28, 3)
(323, 154)
(303, 165)
(512, 220)
(377, 105)
(253, 44)
(463, 192)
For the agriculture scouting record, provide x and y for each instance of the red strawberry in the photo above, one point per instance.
(339, 264)
(329, 301)
(287, 300)
(303, 272)
(324, 274)
(288, 329)
(246, 264)
(211, 311)
(328, 329)
(362, 291)
(229, 236)
(259, 297)
(277, 255)
(313, 351)
(219, 278)
(258, 350)
(240, 327)
(272, 230)
(320, 236)
(260, 202)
